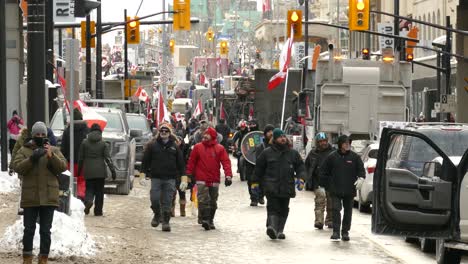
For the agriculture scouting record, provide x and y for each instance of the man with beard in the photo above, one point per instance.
(313, 163)
(278, 169)
(341, 173)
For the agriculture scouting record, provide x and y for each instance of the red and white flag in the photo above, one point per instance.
(141, 94)
(251, 113)
(222, 114)
(89, 115)
(198, 109)
(179, 117)
(148, 109)
(285, 59)
(163, 114)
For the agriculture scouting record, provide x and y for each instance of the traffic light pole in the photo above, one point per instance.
(88, 54)
(306, 45)
(99, 94)
(3, 90)
(125, 49)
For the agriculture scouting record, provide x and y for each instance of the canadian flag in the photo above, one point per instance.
(163, 114)
(251, 113)
(179, 116)
(89, 115)
(141, 94)
(222, 114)
(285, 59)
(198, 109)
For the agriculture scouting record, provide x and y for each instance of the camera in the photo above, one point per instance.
(40, 142)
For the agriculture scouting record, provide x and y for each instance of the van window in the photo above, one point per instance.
(114, 122)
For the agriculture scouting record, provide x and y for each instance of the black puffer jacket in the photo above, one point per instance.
(81, 131)
(340, 171)
(163, 160)
(276, 169)
(313, 163)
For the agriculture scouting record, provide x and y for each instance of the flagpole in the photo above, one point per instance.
(284, 98)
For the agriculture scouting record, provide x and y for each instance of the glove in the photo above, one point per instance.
(299, 184)
(359, 183)
(320, 191)
(10, 172)
(37, 154)
(114, 175)
(228, 181)
(183, 183)
(255, 188)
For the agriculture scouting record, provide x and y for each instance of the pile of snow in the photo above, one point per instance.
(69, 235)
(8, 183)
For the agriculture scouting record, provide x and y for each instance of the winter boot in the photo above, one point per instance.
(182, 208)
(42, 260)
(281, 224)
(318, 226)
(213, 212)
(27, 259)
(165, 224)
(272, 225)
(253, 203)
(345, 236)
(156, 218)
(261, 200)
(88, 206)
(206, 216)
(335, 236)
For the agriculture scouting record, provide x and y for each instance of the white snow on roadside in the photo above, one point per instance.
(69, 235)
(8, 183)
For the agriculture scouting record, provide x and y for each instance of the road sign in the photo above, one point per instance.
(448, 103)
(64, 11)
(299, 53)
(386, 43)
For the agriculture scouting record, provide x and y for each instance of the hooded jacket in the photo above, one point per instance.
(206, 159)
(93, 157)
(314, 162)
(40, 186)
(275, 170)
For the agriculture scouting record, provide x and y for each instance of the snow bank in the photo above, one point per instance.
(69, 235)
(8, 183)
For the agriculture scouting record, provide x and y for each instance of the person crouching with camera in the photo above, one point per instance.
(39, 163)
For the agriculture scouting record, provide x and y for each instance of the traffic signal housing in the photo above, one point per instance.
(223, 47)
(171, 46)
(365, 54)
(295, 24)
(83, 34)
(412, 33)
(359, 13)
(210, 35)
(409, 57)
(133, 31)
(182, 17)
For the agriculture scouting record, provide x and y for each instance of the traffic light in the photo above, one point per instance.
(223, 47)
(83, 34)
(409, 57)
(210, 35)
(171, 46)
(412, 33)
(182, 17)
(365, 54)
(359, 11)
(295, 22)
(133, 31)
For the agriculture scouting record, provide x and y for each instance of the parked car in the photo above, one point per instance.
(121, 140)
(139, 121)
(364, 196)
(420, 190)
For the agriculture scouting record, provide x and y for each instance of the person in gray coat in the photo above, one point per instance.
(93, 157)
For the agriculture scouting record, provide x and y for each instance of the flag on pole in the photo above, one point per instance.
(141, 94)
(148, 109)
(285, 59)
(198, 110)
(222, 114)
(251, 113)
(89, 115)
(163, 114)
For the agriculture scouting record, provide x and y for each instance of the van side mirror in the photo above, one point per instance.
(134, 133)
(432, 169)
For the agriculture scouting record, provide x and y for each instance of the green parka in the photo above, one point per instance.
(93, 157)
(40, 185)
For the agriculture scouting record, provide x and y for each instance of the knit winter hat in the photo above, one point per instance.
(39, 128)
(342, 139)
(212, 132)
(277, 133)
(95, 127)
(267, 129)
(165, 125)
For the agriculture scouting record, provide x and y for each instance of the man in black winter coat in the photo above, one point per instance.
(340, 173)
(163, 161)
(276, 170)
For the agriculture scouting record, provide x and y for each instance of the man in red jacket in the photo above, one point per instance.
(204, 165)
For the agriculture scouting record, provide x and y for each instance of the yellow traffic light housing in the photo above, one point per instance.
(359, 13)
(171, 46)
(223, 47)
(83, 34)
(295, 23)
(409, 57)
(365, 54)
(210, 35)
(412, 33)
(182, 17)
(133, 31)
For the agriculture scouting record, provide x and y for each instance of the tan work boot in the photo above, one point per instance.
(182, 208)
(43, 259)
(27, 259)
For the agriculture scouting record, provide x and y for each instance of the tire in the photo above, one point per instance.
(411, 240)
(427, 245)
(446, 255)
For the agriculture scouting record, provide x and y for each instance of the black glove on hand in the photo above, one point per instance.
(37, 154)
(228, 181)
(114, 174)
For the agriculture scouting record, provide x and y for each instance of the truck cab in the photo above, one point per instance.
(420, 188)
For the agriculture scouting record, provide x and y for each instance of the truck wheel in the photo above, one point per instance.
(427, 245)
(446, 255)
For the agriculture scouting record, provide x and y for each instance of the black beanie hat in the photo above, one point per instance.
(342, 139)
(267, 129)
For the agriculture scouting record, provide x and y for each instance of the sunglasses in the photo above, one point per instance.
(164, 131)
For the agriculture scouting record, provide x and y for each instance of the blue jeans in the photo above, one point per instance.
(161, 194)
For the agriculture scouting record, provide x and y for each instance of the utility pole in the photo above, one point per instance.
(306, 45)
(3, 89)
(88, 54)
(125, 49)
(99, 94)
(462, 65)
(165, 53)
(50, 62)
